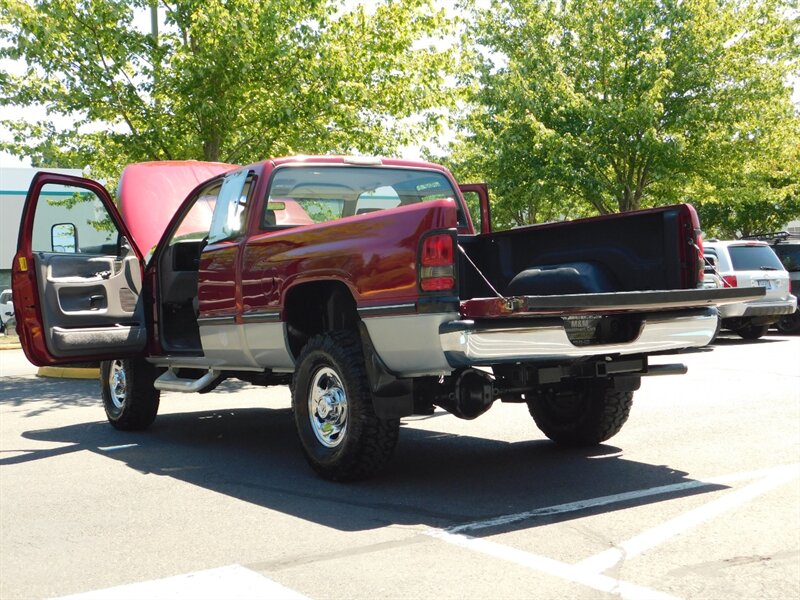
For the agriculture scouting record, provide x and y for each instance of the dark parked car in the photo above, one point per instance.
(787, 247)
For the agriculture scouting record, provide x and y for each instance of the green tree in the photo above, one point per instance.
(593, 107)
(227, 80)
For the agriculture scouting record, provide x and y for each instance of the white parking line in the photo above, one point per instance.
(661, 533)
(113, 448)
(232, 583)
(549, 566)
(589, 571)
(616, 498)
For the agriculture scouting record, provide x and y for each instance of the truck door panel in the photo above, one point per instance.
(77, 276)
(90, 303)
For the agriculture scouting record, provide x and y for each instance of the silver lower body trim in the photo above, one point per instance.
(241, 347)
(409, 344)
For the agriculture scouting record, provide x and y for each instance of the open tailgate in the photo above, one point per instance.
(570, 304)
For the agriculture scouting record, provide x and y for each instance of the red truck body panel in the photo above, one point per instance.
(374, 255)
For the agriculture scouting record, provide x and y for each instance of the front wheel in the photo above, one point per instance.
(584, 416)
(342, 438)
(129, 398)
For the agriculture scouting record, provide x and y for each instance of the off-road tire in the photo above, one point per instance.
(752, 332)
(363, 445)
(129, 398)
(584, 416)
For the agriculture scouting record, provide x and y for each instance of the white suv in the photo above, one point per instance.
(745, 263)
(6, 309)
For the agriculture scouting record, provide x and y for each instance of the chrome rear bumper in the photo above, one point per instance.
(466, 343)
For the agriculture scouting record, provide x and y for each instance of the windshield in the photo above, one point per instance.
(307, 195)
(754, 258)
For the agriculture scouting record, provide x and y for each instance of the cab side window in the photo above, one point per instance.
(228, 220)
(196, 223)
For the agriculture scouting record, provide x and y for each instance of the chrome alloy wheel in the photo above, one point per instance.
(117, 385)
(327, 407)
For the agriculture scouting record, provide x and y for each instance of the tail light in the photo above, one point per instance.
(730, 281)
(437, 263)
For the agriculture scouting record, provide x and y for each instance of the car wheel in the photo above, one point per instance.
(585, 416)
(752, 332)
(129, 398)
(790, 323)
(342, 438)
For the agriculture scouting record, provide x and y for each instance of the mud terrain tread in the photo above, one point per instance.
(142, 399)
(370, 441)
(598, 416)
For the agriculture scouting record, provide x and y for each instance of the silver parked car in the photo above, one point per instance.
(746, 263)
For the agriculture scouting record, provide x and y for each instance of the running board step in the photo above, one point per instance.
(170, 382)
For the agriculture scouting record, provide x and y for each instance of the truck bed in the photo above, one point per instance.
(645, 250)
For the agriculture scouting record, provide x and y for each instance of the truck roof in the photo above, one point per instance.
(150, 192)
(354, 160)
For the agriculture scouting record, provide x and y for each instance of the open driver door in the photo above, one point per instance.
(76, 276)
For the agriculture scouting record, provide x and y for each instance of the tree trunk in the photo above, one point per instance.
(211, 148)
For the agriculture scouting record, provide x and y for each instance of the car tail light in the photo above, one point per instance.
(730, 281)
(437, 263)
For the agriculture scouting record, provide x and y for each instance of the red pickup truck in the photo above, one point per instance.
(362, 284)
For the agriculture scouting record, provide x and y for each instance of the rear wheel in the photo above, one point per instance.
(342, 438)
(752, 332)
(790, 323)
(129, 398)
(584, 416)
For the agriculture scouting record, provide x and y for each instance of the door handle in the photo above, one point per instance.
(94, 301)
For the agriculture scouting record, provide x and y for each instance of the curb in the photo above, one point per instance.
(69, 372)
(10, 342)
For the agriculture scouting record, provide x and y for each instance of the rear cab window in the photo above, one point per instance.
(318, 194)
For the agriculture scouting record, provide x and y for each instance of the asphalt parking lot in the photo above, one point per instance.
(697, 497)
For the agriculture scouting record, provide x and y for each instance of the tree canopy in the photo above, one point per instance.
(593, 107)
(571, 108)
(224, 80)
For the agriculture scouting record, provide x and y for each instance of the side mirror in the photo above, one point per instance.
(64, 238)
